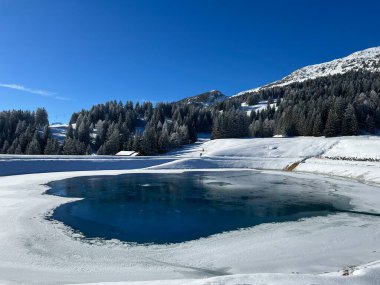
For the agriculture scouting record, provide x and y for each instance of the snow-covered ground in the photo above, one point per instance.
(311, 251)
(354, 157)
(191, 149)
(261, 106)
(58, 131)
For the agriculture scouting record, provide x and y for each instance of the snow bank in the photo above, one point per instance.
(366, 172)
(263, 153)
(363, 147)
(350, 157)
(301, 147)
(362, 275)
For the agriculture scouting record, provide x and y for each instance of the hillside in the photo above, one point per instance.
(368, 59)
(355, 157)
(205, 99)
(337, 98)
(58, 131)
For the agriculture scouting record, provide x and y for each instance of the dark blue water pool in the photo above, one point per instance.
(171, 208)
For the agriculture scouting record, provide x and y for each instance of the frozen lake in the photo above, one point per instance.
(178, 207)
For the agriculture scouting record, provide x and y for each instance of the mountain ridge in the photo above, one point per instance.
(367, 59)
(204, 99)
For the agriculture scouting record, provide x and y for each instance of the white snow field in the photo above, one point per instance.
(318, 250)
(261, 106)
(58, 131)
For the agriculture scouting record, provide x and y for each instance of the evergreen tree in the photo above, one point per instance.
(34, 146)
(149, 142)
(136, 146)
(89, 150)
(41, 117)
(318, 126)
(69, 147)
(18, 149)
(349, 123)
(11, 149)
(112, 145)
(70, 132)
(175, 140)
(84, 132)
(370, 124)
(256, 128)
(183, 133)
(268, 128)
(163, 142)
(52, 147)
(331, 124)
(101, 150)
(5, 147)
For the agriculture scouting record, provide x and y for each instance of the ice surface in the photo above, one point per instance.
(311, 251)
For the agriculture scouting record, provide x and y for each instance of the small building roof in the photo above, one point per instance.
(127, 153)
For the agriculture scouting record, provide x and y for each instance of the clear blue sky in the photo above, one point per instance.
(68, 55)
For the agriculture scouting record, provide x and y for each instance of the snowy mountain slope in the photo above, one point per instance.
(58, 131)
(368, 59)
(261, 106)
(205, 99)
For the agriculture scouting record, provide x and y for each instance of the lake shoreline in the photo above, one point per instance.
(42, 247)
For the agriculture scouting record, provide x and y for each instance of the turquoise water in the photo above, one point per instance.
(172, 208)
